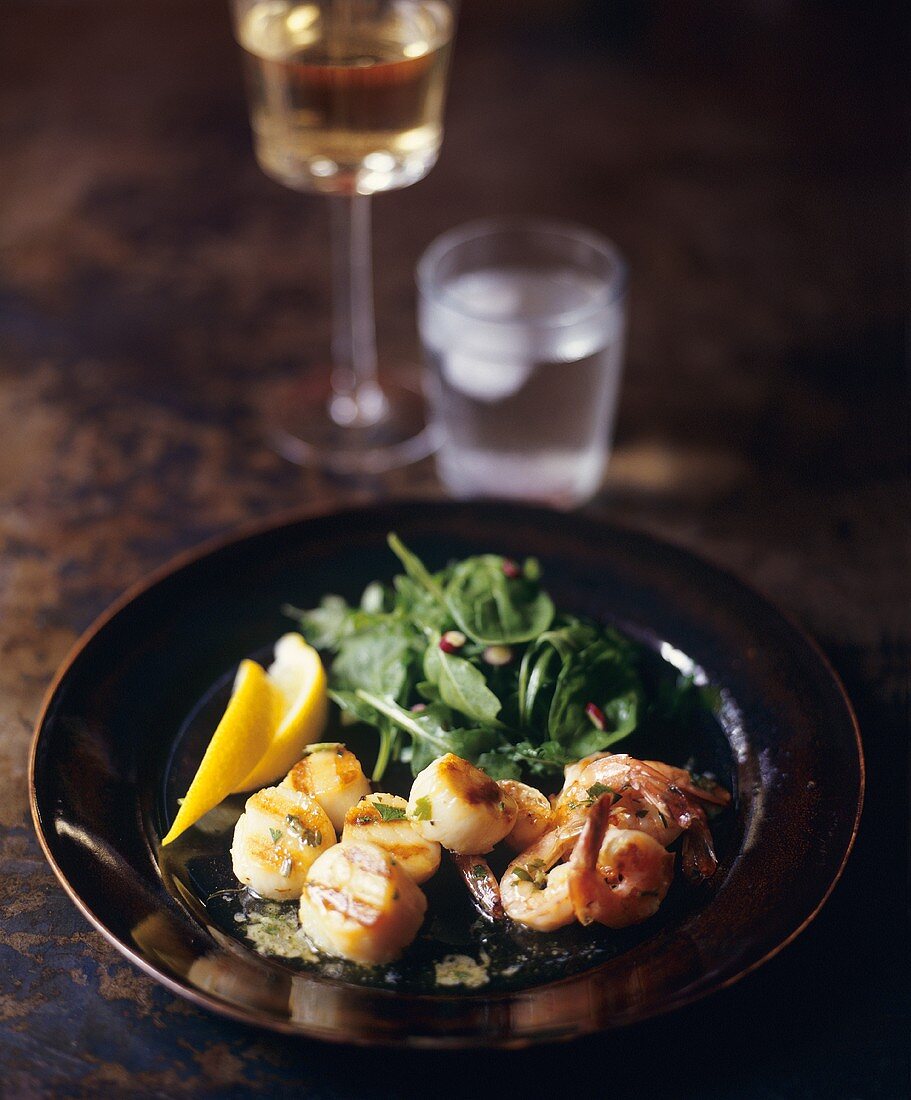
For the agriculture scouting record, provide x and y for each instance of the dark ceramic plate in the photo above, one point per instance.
(127, 718)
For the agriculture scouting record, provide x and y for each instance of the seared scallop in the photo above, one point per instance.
(456, 804)
(276, 839)
(359, 902)
(382, 819)
(333, 776)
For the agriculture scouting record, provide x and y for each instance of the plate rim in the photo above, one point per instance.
(302, 514)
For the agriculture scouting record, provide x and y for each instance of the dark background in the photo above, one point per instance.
(749, 158)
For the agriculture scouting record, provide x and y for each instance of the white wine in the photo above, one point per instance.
(346, 96)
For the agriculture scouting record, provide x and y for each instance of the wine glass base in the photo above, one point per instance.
(308, 425)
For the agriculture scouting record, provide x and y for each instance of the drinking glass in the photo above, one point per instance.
(522, 324)
(346, 99)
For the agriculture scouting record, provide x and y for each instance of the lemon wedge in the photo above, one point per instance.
(299, 680)
(243, 734)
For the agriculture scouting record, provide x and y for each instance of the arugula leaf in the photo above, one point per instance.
(461, 685)
(428, 613)
(378, 659)
(532, 714)
(601, 673)
(431, 731)
(326, 625)
(493, 609)
(500, 763)
(414, 567)
(375, 599)
(350, 704)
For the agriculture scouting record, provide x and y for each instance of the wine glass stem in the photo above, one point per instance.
(357, 399)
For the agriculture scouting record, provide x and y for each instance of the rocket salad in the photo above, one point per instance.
(476, 660)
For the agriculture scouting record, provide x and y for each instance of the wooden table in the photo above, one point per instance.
(154, 285)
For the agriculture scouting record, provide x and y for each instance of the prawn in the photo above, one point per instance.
(647, 797)
(535, 886)
(616, 876)
(482, 884)
(534, 814)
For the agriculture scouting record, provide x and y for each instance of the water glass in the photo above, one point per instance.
(522, 325)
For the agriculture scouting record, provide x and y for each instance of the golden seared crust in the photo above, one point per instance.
(299, 777)
(469, 783)
(369, 858)
(306, 774)
(275, 802)
(268, 855)
(366, 813)
(339, 901)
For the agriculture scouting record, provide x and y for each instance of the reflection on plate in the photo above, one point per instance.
(126, 719)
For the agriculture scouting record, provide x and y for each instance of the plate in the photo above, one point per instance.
(124, 715)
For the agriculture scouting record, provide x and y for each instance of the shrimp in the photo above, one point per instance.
(705, 789)
(276, 839)
(616, 876)
(455, 803)
(645, 799)
(359, 903)
(482, 884)
(572, 771)
(333, 776)
(534, 815)
(382, 819)
(535, 886)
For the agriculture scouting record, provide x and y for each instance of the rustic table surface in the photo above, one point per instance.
(154, 285)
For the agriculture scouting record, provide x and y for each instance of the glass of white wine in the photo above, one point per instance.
(346, 99)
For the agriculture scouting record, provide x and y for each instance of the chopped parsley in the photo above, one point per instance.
(534, 873)
(389, 813)
(423, 811)
(276, 835)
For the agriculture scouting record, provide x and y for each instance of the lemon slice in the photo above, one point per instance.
(243, 734)
(299, 681)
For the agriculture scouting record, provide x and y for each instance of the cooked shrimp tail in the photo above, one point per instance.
(698, 857)
(702, 788)
(617, 876)
(482, 885)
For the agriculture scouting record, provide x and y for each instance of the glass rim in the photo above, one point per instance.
(610, 290)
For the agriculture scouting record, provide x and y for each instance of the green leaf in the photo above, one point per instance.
(462, 686)
(493, 609)
(378, 659)
(500, 764)
(389, 813)
(427, 612)
(431, 731)
(414, 567)
(422, 809)
(374, 599)
(356, 708)
(326, 625)
(601, 673)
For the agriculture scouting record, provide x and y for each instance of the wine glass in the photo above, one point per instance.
(346, 99)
